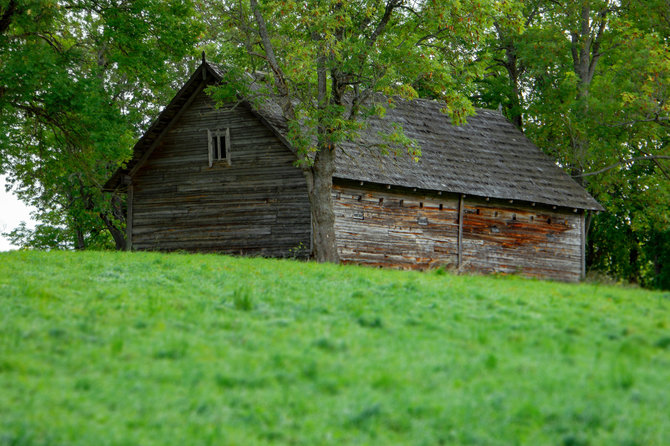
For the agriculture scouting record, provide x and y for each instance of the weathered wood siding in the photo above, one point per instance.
(414, 230)
(383, 228)
(521, 239)
(256, 206)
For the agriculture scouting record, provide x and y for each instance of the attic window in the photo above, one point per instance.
(218, 146)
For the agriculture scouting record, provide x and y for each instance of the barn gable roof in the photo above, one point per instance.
(487, 157)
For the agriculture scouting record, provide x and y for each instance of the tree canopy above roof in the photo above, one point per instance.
(486, 157)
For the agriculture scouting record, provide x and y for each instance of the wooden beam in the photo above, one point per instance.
(582, 223)
(167, 128)
(129, 219)
(461, 201)
(311, 232)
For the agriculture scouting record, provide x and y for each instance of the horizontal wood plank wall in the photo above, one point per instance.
(418, 234)
(258, 205)
(521, 239)
(392, 233)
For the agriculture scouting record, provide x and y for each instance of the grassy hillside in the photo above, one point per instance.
(151, 349)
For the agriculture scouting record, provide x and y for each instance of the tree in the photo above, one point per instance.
(328, 60)
(593, 82)
(79, 79)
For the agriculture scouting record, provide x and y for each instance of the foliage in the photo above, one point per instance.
(590, 83)
(326, 63)
(587, 81)
(390, 47)
(79, 79)
(118, 348)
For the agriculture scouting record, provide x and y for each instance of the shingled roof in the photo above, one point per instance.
(487, 157)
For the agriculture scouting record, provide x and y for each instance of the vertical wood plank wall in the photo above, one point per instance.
(256, 206)
(129, 219)
(409, 230)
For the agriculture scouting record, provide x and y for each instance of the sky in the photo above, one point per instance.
(12, 212)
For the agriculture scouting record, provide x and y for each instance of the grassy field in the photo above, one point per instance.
(152, 349)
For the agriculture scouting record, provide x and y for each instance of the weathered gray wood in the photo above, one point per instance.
(255, 205)
(210, 149)
(167, 128)
(460, 231)
(582, 224)
(390, 234)
(129, 218)
(228, 158)
(488, 236)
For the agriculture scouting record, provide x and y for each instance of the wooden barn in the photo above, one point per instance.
(482, 198)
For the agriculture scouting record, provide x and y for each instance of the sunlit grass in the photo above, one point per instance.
(154, 349)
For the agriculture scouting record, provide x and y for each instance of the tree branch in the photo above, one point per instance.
(6, 18)
(282, 87)
(656, 118)
(390, 6)
(625, 162)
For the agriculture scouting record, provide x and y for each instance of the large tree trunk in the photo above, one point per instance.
(585, 49)
(319, 187)
(118, 234)
(79, 240)
(511, 64)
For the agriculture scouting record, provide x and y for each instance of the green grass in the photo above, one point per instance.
(152, 349)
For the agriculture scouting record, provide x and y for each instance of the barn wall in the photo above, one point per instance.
(521, 239)
(256, 206)
(389, 233)
(373, 227)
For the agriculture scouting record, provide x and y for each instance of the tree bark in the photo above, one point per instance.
(511, 64)
(514, 70)
(320, 179)
(319, 188)
(117, 233)
(6, 16)
(585, 49)
(282, 87)
(79, 241)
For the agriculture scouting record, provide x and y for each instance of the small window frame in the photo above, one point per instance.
(214, 146)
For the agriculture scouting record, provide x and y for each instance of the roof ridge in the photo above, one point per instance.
(483, 157)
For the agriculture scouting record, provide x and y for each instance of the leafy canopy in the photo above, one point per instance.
(79, 78)
(333, 59)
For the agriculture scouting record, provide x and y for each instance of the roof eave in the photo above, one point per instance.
(593, 206)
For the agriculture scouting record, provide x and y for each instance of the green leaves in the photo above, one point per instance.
(79, 78)
(588, 82)
(365, 47)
